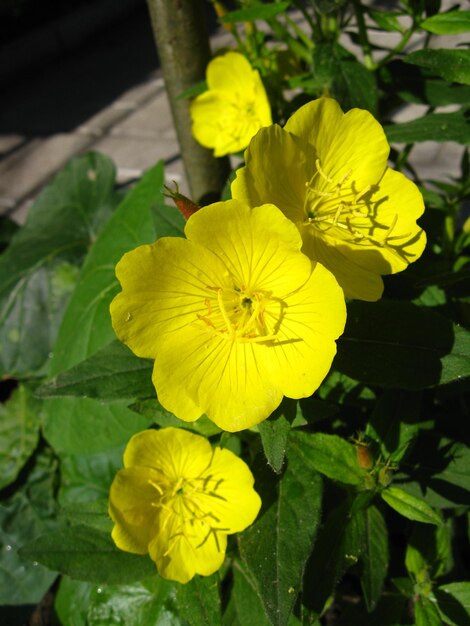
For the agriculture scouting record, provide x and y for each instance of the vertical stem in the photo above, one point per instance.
(363, 38)
(183, 47)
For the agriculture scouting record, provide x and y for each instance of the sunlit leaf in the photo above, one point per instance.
(409, 506)
(453, 65)
(450, 23)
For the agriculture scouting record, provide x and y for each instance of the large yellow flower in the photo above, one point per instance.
(177, 499)
(235, 315)
(327, 171)
(233, 109)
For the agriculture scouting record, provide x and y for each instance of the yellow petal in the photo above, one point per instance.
(181, 550)
(279, 179)
(223, 377)
(230, 72)
(164, 288)
(314, 317)
(233, 109)
(255, 245)
(399, 204)
(358, 280)
(172, 451)
(352, 143)
(229, 493)
(130, 507)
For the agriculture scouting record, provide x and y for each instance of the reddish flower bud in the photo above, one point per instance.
(184, 204)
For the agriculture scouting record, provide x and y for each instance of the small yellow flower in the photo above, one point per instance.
(233, 109)
(327, 171)
(235, 315)
(177, 499)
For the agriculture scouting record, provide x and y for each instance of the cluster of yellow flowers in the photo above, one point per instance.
(246, 309)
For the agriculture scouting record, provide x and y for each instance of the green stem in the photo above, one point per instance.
(300, 34)
(363, 38)
(402, 158)
(305, 13)
(398, 48)
(183, 47)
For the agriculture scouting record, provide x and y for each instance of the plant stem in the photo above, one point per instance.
(363, 38)
(183, 47)
(398, 48)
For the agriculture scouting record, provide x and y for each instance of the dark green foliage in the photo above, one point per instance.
(365, 486)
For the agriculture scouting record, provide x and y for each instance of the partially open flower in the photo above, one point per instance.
(327, 172)
(235, 315)
(177, 499)
(233, 109)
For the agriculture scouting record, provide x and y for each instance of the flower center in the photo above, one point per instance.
(347, 213)
(186, 501)
(242, 315)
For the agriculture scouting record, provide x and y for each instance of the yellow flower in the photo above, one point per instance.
(233, 109)
(235, 315)
(327, 171)
(177, 499)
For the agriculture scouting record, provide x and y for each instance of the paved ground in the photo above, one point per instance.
(108, 95)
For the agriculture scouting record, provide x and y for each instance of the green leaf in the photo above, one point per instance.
(275, 562)
(83, 425)
(347, 80)
(453, 600)
(338, 547)
(199, 601)
(429, 551)
(86, 477)
(146, 603)
(432, 127)
(412, 84)
(139, 219)
(450, 23)
(275, 432)
(374, 556)
(453, 65)
(87, 554)
(410, 507)
(244, 603)
(36, 275)
(440, 93)
(389, 612)
(415, 562)
(72, 601)
(395, 423)
(193, 91)
(442, 472)
(426, 613)
(311, 410)
(19, 433)
(7, 229)
(93, 514)
(343, 390)
(424, 350)
(154, 411)
(256, 12)
(28, 513)
(386, 20)
(330, 455)
(111, 373)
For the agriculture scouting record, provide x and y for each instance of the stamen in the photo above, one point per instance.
(156, 486)
(362, 193)
(228, 324)
(322, 173)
